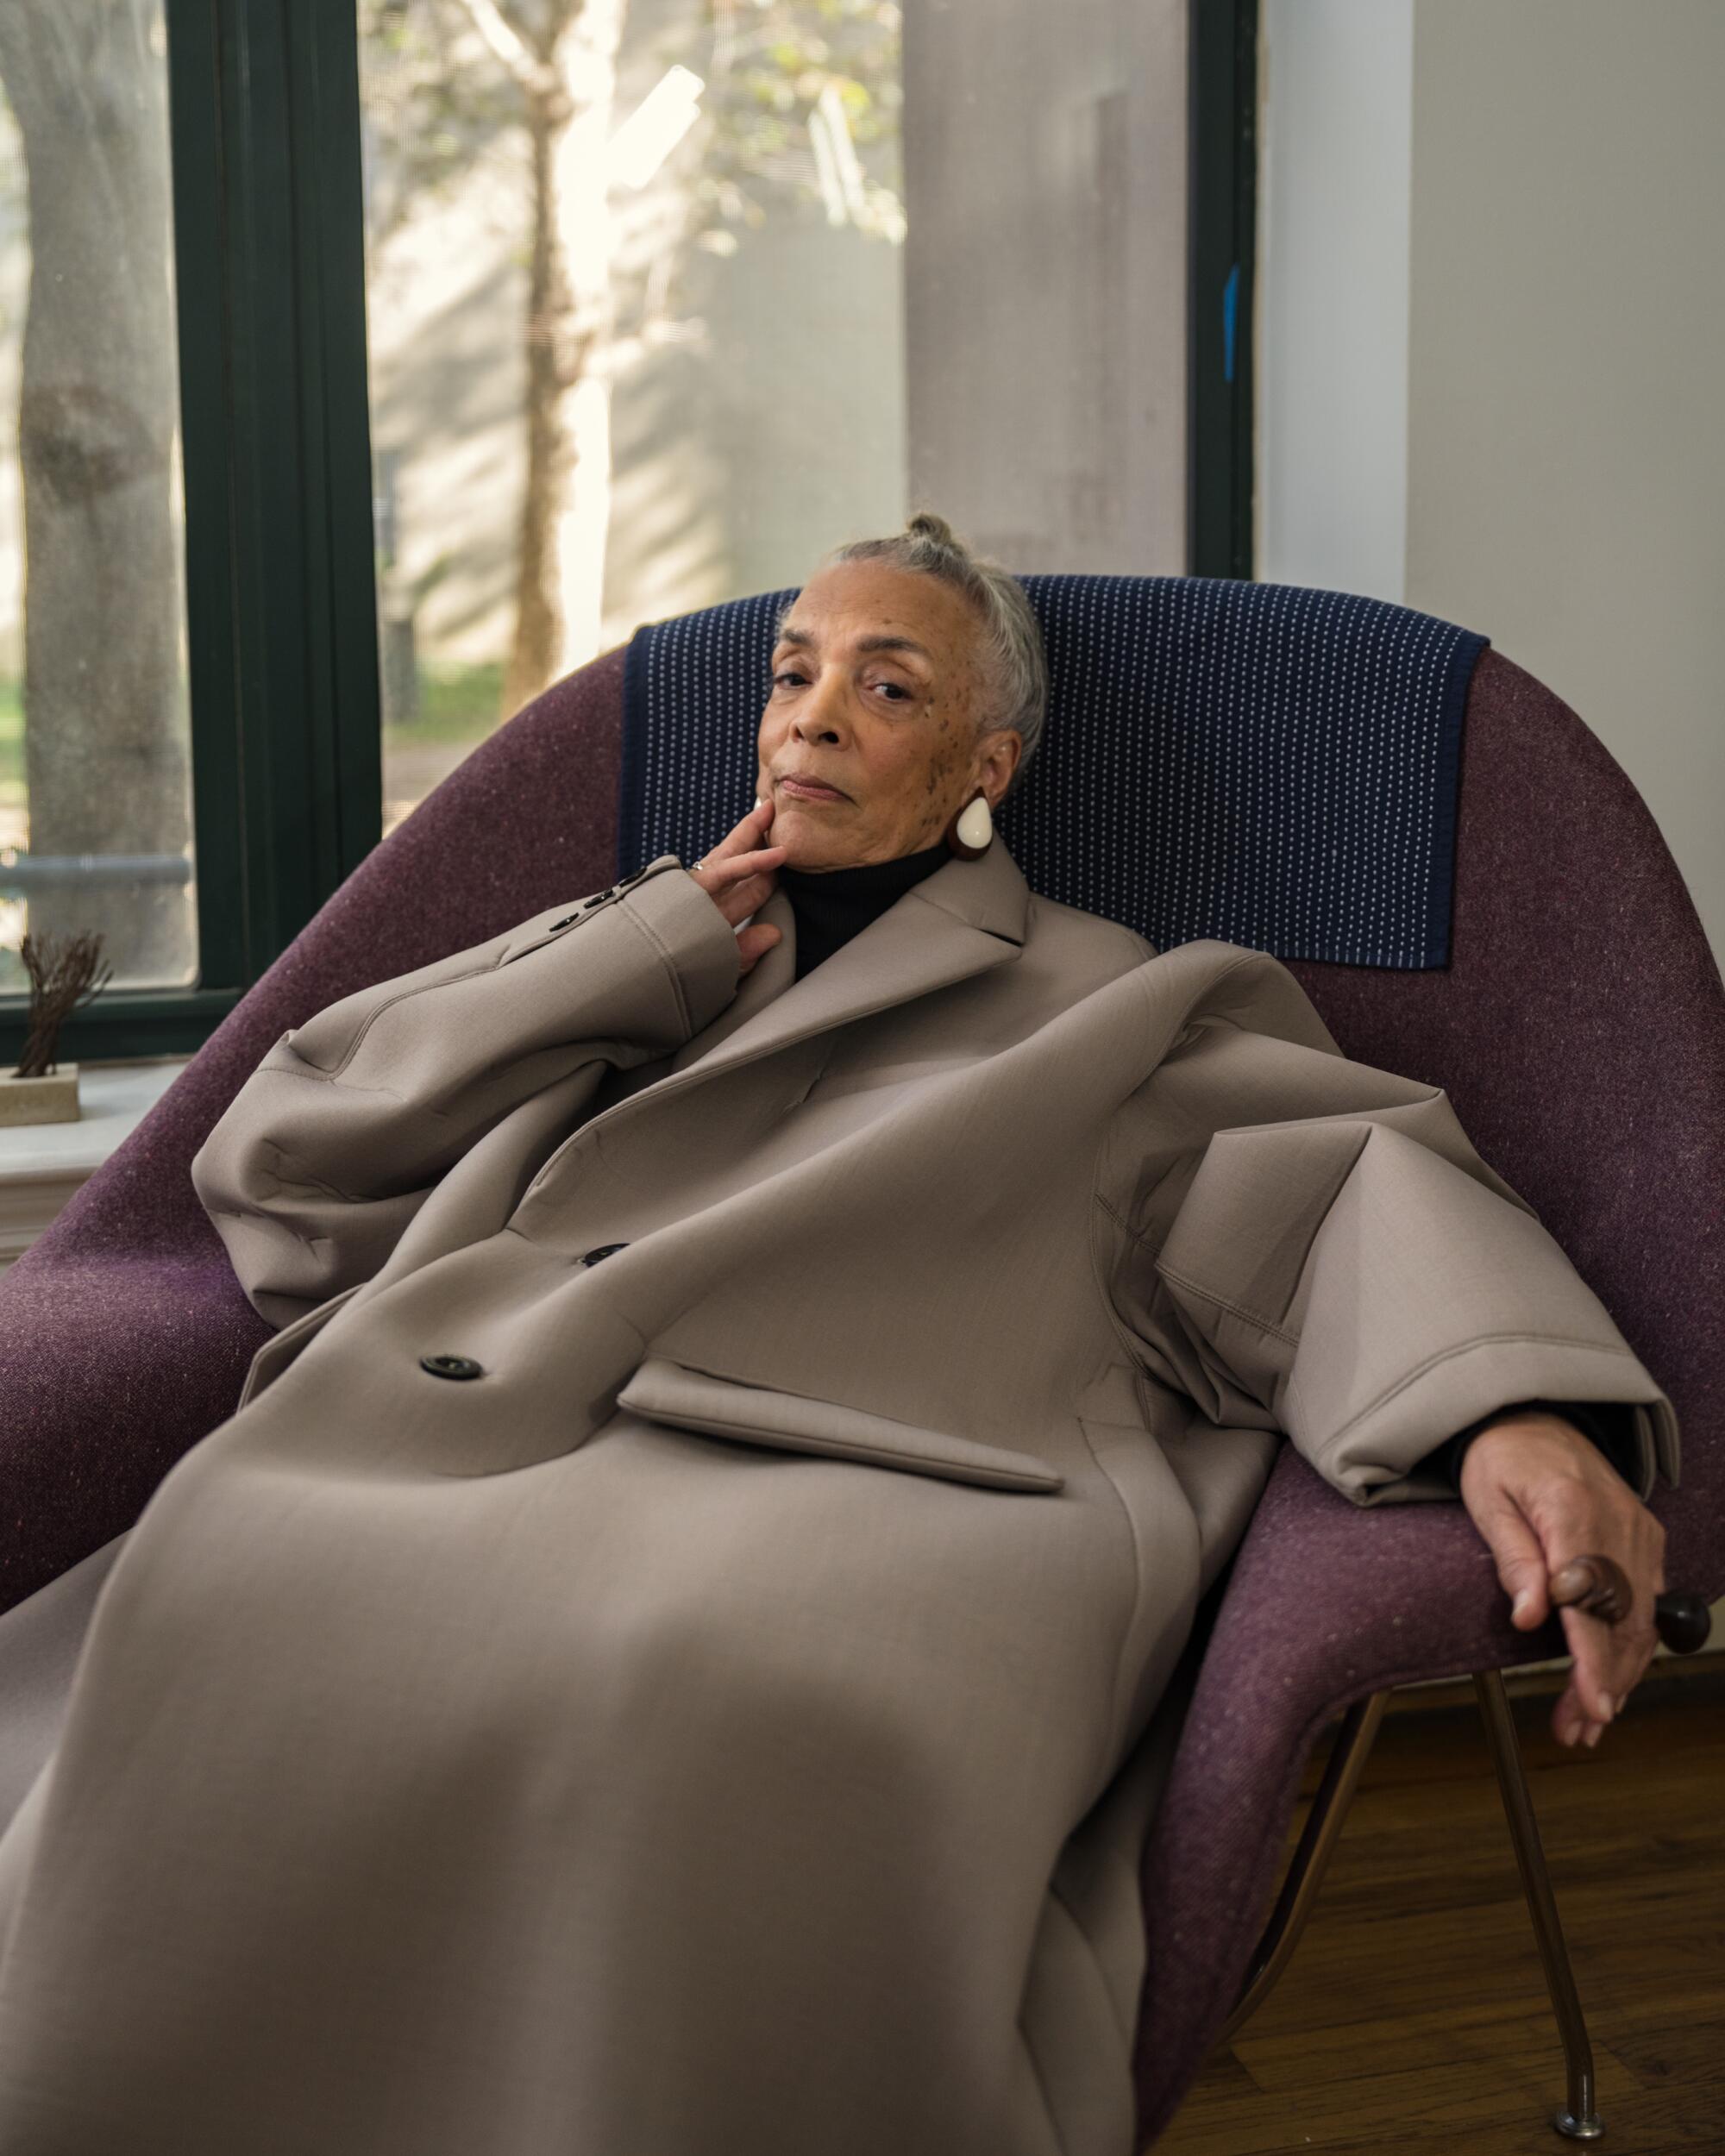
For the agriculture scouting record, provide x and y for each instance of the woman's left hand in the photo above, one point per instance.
(1542, 1494)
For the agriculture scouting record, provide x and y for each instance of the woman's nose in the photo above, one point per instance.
(820, 717)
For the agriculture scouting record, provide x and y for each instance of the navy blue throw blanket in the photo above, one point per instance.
(1269, 765)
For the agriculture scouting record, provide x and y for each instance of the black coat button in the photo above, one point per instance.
(605, 1250)
(566, 920)
(451, 1365)
(598, 897)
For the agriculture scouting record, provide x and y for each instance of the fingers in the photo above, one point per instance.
(754, 942)
(744, 835)
(716, 871)
(1518, 1556)
(1541, 1500)
(1570, 1721)
(1615, 1657)
(738, 885)
(738, 875)
(1610, 1660)
(741, 884)
(1610, 1642)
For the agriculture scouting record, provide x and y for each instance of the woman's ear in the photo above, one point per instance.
(997, 760)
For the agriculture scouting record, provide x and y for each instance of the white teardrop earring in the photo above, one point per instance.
(971, 831)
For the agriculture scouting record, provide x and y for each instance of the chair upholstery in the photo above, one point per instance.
(1580, 1030)
(1195, 724)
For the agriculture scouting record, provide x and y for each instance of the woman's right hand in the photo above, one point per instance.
(738, 875)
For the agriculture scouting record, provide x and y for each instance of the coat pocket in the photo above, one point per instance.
(664, 1391)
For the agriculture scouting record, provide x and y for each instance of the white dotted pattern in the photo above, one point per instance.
(1269, 765)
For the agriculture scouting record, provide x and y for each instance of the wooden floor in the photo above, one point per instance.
(1413, 2013)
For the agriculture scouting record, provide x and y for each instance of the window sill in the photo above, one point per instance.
(42, 1165)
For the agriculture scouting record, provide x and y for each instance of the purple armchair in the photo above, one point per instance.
(1580, 1031)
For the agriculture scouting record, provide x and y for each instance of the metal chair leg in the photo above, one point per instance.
(1580, 2121)
(1317, 1838)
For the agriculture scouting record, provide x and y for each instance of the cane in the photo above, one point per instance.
(1599, 1585)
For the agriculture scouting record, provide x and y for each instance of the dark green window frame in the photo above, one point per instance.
(1222, 247)
(287, 750)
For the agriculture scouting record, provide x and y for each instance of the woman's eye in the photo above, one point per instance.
(898, 691)
(790, 673)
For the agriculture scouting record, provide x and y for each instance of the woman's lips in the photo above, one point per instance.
(810, 790)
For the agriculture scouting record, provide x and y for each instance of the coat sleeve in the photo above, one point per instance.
(1310, 1245)
(332, 1146)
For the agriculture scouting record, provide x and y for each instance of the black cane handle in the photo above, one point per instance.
(1684, 1622)
(1599, 1585)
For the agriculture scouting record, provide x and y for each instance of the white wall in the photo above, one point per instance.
(1334, 169)
(1555, 169)
(1567, 440)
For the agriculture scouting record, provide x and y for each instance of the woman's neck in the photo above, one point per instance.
(833, 905)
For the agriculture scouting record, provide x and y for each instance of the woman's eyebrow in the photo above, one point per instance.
(895, 644)
(805, 640)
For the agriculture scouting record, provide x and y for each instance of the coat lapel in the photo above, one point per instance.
(964, 919)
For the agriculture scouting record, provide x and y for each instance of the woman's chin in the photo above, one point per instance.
(810, 842)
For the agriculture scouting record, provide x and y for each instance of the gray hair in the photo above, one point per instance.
(1016, 665)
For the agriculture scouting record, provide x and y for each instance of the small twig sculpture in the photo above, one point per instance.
(62, 975)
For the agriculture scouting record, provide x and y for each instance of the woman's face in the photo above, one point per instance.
(869, 742)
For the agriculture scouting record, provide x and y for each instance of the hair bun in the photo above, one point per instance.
(926, 525)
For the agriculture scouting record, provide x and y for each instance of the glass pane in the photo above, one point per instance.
(636, 305)
(95, 763)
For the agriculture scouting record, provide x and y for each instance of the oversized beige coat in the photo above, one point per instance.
(723, 1726)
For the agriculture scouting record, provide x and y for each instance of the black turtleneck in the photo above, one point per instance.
(833, 905)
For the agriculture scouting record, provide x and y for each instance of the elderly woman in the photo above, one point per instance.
(671, 1656)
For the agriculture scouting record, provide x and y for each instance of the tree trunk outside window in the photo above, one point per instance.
(565, 65)
(106, 737)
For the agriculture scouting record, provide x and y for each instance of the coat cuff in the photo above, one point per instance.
(1379, 1458)
(697, 944)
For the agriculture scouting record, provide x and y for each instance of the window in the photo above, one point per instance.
(666, 297)
(636, 303)
(192, 164)
(95, 738)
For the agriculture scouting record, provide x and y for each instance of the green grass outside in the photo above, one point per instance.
(13, 980)
(11, 744)
(457, 702)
